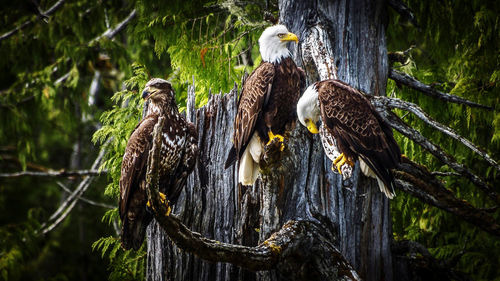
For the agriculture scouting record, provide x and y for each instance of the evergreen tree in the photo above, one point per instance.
(71, 68)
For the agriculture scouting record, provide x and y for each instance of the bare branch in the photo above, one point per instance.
(65, 208)
(51, 10)
(278, 252)
(51, 173)
(415, 109)
(444, 174)
(84, 199)
(109, 33)
(419, 182)
(398, 124)
(112, 32)
(413, 83)
(417, 257)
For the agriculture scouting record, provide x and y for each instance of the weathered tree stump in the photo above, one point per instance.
(338, 39)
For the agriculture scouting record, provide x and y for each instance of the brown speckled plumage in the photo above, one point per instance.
(268, 102)
(358, 128)
(178, 155)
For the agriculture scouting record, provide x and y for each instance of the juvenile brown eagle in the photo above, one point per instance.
(267, 103)
(359, 132)
(178, 154)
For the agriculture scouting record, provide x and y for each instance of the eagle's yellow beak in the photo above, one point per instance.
(290, 37)
(312, 127)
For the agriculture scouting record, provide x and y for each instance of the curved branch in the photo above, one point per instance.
(84, 199)
(413, 108)
(280, 251)
(65, 208)
(413, 83)
(419, 182)
(109, 33)
(112, 32)
(398, 124)
(51, 10)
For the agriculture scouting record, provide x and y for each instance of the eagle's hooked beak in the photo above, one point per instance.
(311, 126)
(290, 37)
(145, 93)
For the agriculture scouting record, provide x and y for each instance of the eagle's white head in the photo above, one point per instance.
(272, 43)
(308, 109)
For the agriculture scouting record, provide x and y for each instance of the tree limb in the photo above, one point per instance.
(51, 173)
(419, 182)
(84, 199)
(112, 32)
(413, 83)
(278, 252)
(411, 107)
(398, 124)
(51, 10)
(417, 261)
(65, 208)
(109, 33)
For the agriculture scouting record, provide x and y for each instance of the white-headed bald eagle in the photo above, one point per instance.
(178, 153)
(359, 132)
(267, 103)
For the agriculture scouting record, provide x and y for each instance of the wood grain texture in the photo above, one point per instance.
(302, 187)
(346, 40)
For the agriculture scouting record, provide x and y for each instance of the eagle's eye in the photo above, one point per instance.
(306, 120)
(281, 35)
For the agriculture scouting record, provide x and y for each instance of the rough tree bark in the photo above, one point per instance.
(346, 40)
(339, 39)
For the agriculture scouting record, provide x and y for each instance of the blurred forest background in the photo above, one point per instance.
(71, 68)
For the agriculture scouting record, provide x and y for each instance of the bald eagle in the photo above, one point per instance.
(178, 155)
(267, 102)
(350, 120)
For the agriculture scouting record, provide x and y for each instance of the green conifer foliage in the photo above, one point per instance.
(456, 51)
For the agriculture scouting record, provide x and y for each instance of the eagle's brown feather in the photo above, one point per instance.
(267, 102)
(255, 92)
(178, 153)
(358, 128)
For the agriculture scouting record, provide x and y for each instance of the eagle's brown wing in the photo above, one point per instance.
(254, 96)
(358, 128)
(135, 160)
(133, 198)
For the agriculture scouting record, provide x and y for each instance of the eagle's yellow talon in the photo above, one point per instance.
(340, 161)
(164, 200)
(163, 197)
(277, 136)
(169, 210)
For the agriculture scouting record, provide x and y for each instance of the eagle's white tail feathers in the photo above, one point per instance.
(249, 162)
(365, 169)
(245, 172)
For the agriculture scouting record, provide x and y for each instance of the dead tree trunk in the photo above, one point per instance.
(213, 205)
(338, 39)
(346, 40)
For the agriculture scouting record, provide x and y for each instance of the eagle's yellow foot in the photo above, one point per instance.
(164, 200)
(277, 136)
(341, 160)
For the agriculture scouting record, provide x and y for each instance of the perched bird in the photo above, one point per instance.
(178, 155)
(350, 120)
(267, 103)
